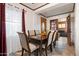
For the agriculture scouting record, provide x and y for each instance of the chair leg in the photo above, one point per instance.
(54, 44)
(22, 51)
(51, 47)
(40, 50)
(29, 54)
(46, 51)
(37, 52)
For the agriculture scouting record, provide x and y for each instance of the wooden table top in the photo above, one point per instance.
(39, 37)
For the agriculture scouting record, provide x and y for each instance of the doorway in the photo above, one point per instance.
(63, 27)
(54, 24)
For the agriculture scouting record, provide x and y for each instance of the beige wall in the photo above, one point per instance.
(77, 29)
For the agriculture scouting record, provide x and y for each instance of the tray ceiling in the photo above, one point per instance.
(57, 10)
(34, 6)
(52, 10)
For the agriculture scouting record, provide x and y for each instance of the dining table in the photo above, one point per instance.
(38, 40)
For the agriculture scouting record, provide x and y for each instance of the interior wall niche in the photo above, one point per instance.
(62, 24)
(43, 25)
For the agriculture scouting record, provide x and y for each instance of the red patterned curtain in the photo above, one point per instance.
(23, 21)
(3, 50)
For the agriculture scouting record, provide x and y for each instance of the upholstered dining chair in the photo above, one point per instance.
(48, 31)
(26, 46)
(48, 43)
(55, 38)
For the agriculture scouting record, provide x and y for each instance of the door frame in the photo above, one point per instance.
(69, 30)
(56, 23)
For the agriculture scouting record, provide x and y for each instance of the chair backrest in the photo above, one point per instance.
(55, 36)
(27, 32)
(48, 31)
(24, 41)
(34, 32)
(37, 32)
(50, 38)
(31, 32)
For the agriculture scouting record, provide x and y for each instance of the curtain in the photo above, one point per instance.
(23, 21)
(3, 50)
(13, 25)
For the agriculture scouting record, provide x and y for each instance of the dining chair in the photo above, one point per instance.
(37, 32)
(55, 38)
(48, 31)
(26, 46)
(31, 33)
(27, 32)
(48, 43)
(51, 48)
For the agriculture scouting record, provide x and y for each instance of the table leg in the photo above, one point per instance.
(41, 48)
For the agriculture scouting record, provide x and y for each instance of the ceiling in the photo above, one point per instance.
(57, 10)
(34, 6)
(49, 10)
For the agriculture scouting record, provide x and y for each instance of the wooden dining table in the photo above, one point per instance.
(38, 40)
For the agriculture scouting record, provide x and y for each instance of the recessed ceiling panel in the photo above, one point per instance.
(34, 6)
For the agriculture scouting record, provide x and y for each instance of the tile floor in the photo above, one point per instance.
(61, 49)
